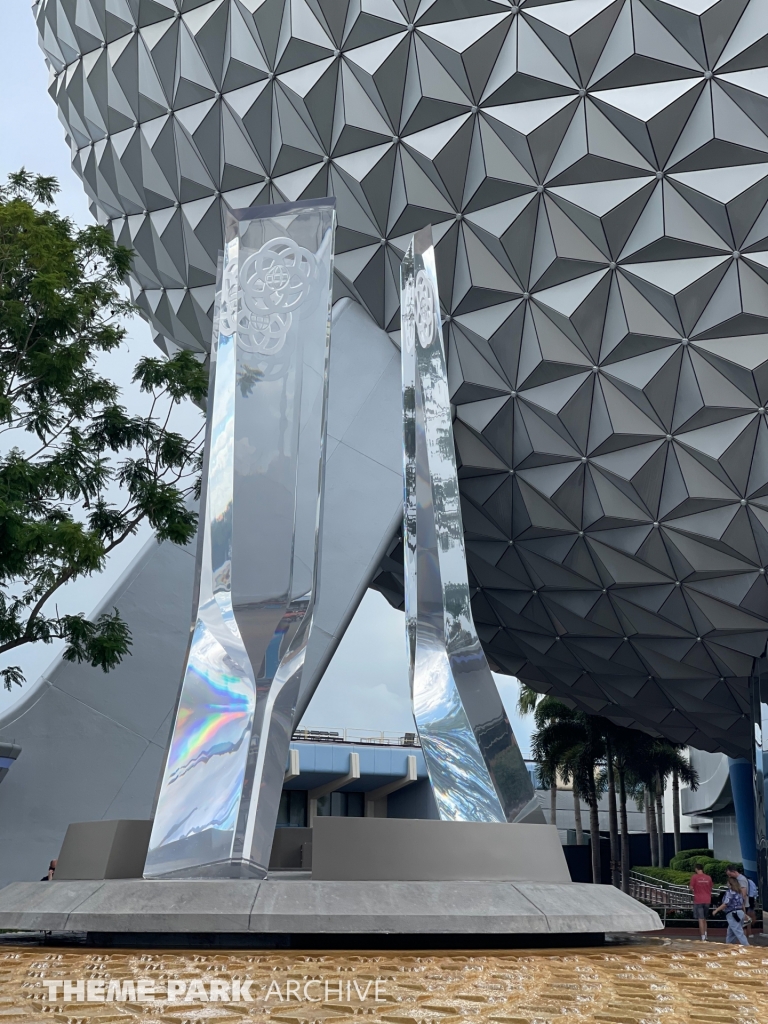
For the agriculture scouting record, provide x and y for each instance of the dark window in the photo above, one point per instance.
(324, 804)
(293, 808)
(355, 808)
(341, 805)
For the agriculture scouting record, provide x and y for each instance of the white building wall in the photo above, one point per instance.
(93, 744)
(566, 819)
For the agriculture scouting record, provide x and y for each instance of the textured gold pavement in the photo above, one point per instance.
(675, 983)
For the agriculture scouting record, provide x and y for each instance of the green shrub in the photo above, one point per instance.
(714, 868)
(685, 860)
(665, 875)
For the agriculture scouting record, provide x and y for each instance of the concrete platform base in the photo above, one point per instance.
(424, 850)
(299, 905)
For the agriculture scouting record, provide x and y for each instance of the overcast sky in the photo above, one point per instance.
(366, 685)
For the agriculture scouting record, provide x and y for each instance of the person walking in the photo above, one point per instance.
(733, 905)
(733, 871)
(752, 898)
(701, 887)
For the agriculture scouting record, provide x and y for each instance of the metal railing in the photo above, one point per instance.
(385, 739)
(657, 893)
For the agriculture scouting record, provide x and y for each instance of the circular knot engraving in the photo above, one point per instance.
(425, 309)
(274, 282)
(408, 325)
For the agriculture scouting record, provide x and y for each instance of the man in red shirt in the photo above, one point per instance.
(701, 887)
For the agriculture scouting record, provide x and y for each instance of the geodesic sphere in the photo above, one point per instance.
(596, 173)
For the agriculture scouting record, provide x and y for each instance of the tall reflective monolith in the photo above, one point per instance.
(259, 546)
(474, 763)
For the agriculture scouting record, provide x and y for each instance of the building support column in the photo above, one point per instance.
(375, 795)
(293, 771)
(331, 787)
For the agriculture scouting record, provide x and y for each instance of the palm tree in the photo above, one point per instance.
(650, 802)
(658, 792)
(613, 822)
(630, 788)
(641, 763)
(571, 742)
(671, 761)
(527, 700)
(591, 755)
(547, 774)
(626, 745)
(652, 761)
(676, 807)
(578, 827)
(573, 746)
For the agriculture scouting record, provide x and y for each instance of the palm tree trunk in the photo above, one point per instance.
(649, 803)
(660, 817)
(625, 865)
(577, 817)
(613, 822)
(594, 831)
(553, 804)
(647, 808)
(676, 808)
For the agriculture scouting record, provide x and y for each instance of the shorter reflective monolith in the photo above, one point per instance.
(474, 763)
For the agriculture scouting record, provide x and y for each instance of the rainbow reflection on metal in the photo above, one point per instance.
(258, 545)
(475, 766)
(216, 707)
(209, 742)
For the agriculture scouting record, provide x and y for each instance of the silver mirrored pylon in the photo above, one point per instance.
(259, 546)
(474, 763)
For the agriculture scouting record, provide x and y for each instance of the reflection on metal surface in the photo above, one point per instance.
(474, 763)
(259, 546)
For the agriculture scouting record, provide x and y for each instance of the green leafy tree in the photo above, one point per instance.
(78, 473)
